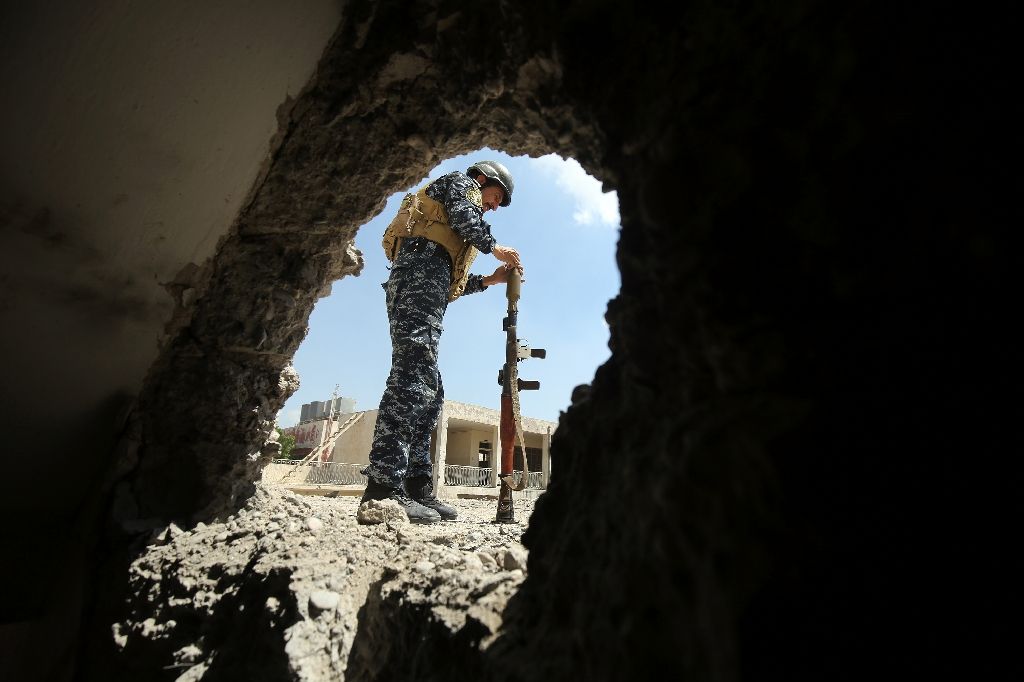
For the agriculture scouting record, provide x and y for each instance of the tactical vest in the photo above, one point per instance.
(421, 216)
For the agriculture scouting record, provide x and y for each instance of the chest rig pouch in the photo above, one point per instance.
(421, 216)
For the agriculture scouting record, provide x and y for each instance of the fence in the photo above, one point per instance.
(336, 473)
(479, 477)
(534, 480)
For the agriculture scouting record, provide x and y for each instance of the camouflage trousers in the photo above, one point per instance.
(417, 298)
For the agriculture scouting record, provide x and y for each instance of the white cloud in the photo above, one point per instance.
(591, 205)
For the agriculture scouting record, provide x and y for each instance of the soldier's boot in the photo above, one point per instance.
(421, 489)
(416, 512)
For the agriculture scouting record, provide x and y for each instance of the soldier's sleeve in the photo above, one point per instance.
(474, 284)
(461, 197)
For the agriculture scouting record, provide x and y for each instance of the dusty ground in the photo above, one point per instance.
(292, 587)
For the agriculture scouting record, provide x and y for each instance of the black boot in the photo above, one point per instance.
(421, 489)
(416, 512)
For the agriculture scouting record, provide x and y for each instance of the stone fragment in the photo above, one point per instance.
(515, 558)
(324, 600)
(374, 512)
(472, 561)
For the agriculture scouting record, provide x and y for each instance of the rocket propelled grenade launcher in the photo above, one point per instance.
(511, 417)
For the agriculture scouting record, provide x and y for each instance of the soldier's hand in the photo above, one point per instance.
(500, 275)
(507, 255)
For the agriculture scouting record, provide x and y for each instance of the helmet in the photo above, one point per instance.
(497, 172)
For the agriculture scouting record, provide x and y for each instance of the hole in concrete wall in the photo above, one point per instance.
(314, 542)
(257, 306)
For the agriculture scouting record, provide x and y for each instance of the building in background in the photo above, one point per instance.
(331, 449)
(323, 409)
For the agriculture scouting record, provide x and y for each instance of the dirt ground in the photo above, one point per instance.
(293, 587)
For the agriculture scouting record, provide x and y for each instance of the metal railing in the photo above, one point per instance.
(534, 480)
(335, 473)
(479, 477)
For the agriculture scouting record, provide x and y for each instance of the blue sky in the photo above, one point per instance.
(566, 231)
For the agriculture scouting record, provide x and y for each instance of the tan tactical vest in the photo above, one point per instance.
(421, 216)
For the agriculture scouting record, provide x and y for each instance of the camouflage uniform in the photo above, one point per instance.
(417, 298)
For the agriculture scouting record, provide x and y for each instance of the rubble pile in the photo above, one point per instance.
(293, 587)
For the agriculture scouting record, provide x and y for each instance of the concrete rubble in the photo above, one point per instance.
(295, 587)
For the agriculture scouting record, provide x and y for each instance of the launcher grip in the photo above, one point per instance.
(514, 284)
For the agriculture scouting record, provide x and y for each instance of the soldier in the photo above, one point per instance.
(431, 243)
